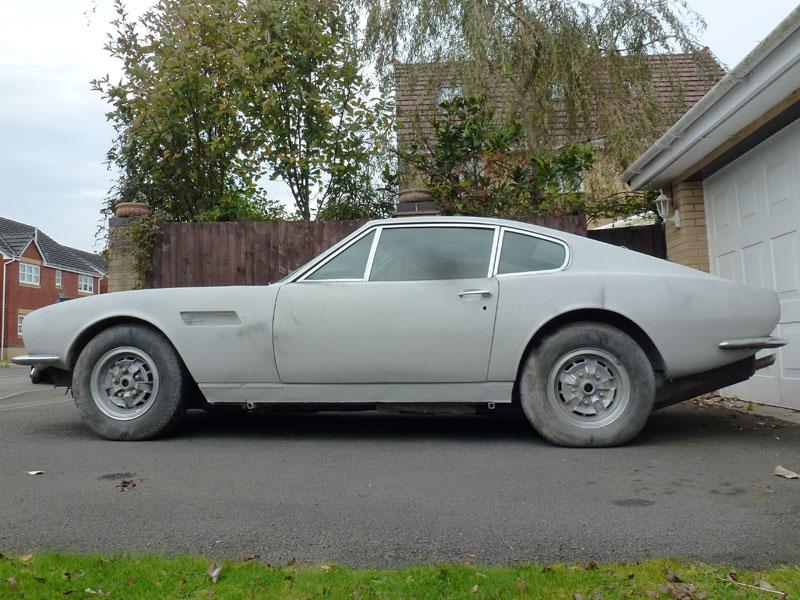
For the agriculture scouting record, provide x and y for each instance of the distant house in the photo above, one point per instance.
(679, 82)
(38, 271)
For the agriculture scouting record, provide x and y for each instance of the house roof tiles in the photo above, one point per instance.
(15, 237)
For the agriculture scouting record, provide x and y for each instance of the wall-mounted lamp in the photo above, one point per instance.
(663, 203)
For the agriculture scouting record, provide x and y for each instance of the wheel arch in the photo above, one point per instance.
(597, 315)
(86, 335)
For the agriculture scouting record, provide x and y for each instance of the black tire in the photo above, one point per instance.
(577, 369)
(165, 407)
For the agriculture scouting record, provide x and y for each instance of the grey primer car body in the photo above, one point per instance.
(332, 332)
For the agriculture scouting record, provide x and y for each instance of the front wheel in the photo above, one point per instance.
(129, 384)
(587, 384)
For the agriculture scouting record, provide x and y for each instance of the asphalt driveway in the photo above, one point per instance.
(390, 490)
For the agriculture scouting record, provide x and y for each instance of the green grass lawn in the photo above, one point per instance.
(141, 576)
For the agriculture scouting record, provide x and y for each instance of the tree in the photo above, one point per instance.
(570, 71)
(474, 164)
(216, 95)
(320, 127)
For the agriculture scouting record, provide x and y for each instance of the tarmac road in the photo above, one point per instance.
(382, 490)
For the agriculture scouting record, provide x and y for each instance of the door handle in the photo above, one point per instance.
(481, 293)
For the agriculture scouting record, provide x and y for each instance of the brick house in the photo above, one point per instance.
(679, 81)
(37, 271)
(729, 169)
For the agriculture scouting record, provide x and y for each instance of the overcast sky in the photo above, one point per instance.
(53, 133)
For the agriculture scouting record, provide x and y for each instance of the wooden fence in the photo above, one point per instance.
(257, 253)
(648, 239)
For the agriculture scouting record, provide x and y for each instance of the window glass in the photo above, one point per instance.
(350, 264)
(58, 278)
(524, 253)
(85, 283)
(20, 319)
(29, 273)
(422, 253)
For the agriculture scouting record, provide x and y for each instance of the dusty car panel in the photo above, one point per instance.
(427, 310)
(213, 351)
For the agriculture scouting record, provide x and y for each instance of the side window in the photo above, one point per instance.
(524, 253)
(424, 253)
(349, 264)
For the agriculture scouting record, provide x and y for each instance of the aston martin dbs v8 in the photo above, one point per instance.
(587, 338)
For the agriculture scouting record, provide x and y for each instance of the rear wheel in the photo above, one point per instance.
(587, 384)
(129, 384)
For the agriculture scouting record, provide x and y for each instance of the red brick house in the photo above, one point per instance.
(679, 82)
(37, 271)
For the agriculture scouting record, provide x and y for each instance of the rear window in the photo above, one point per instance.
(525, 253)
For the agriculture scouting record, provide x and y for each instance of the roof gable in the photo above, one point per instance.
(15, 237)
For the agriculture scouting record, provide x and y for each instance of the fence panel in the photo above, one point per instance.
(648, 239)
(261, 252)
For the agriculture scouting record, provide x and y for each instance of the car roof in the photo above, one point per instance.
(428, 220)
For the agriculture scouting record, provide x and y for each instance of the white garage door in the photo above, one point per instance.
(753, 221)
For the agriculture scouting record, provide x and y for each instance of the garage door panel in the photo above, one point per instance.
(755, 265)
(753, 230)
(784, 260)
(727, 267)
(749, 199)
(722, 211)
(790, 355)
(778, 183)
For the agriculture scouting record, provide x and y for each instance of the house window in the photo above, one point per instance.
(58, 278)
(85, 284)
(449, 93)
(29, 273)
(557, 91)
(20, 318)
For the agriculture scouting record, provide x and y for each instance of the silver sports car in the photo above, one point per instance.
(586, 338)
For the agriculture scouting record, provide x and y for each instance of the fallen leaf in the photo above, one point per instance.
(25, 557)
(732, 576)
(475, 589)
(325, 568)
(578, 596)
(126, 484)
(785, 473)
(673, 577)
(12, 582)
(651, 594)
(766, 586)
(213, 572)
(35, 472)
(252, 558)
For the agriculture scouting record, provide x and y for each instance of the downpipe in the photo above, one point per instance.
(3, 315)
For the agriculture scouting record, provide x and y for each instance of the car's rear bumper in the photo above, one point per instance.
(755, 343)
(684, 388)
(39, 361)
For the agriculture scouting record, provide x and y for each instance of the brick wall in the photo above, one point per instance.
(688, 244)
(122, 272)
(22, 298)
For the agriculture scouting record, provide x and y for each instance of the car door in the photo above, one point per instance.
(401, 304)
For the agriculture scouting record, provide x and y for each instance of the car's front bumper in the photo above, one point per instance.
(39, 361)
(755, 343)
